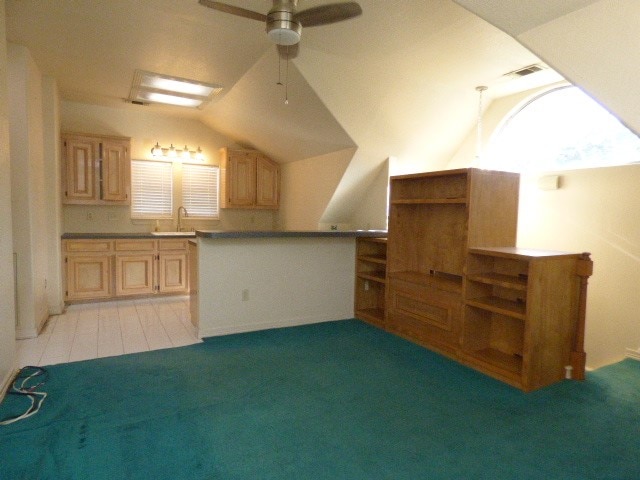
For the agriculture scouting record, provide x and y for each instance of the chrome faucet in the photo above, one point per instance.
(181, 209)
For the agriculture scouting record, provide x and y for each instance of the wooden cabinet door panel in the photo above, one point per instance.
(115, 172)
(242, 179)
(267, 183)
(193, 284)
(81, 155)
(134, 274)
(172, 272)
(88, 277)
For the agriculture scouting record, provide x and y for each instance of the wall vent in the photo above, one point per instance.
(523, 72)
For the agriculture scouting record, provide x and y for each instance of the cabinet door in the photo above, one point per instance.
(134, 274)
(193, 284)
(88, 277)
(80, 155)
(242, 179)
(172, 272)
(114, 171)
(267, 183)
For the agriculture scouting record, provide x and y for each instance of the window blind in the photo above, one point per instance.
(200, 185)
(151, 189)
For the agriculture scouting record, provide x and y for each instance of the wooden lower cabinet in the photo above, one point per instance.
(430, 314)
(100, 269)
(88, 276)
(135, 274)
(193, 283)
(172, 272)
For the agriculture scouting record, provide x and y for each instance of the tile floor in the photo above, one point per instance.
(105, 329)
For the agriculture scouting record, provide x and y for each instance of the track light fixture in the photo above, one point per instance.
(172, 152)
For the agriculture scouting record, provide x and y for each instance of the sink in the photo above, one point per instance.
(174, 234)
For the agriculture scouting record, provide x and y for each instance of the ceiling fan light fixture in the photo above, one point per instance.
(283, 36)
(282, 29)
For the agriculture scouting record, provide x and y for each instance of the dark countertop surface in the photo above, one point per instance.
(290, 233)
(234, 234)
(71, 236)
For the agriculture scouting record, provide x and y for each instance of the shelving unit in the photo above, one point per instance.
(450, 279)
(522, 314)
(434, 216)
(371, 263)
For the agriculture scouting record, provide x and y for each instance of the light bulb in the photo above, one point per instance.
(172, 151)
(185, 153)
(156, 151)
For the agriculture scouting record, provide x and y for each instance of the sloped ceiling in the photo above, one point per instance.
(592, 42)
(397, 81)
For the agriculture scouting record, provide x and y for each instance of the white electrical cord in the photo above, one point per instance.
(36, 397)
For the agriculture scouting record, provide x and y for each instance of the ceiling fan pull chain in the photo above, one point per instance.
(286, 80)
(279, 76)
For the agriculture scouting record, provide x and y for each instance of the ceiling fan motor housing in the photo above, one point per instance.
(282, 29)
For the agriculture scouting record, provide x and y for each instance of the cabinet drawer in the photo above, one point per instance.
(173, 244)
(126, 245)
(88, 246)
(429, 315)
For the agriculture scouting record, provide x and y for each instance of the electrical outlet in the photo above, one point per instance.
(245, 295)
(90, 216)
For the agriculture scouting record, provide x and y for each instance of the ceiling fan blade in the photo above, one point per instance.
(240, 12)
(288, 51)
(326, 14)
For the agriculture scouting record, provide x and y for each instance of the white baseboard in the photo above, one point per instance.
(228, 330)
(633, 354)
(4, 385)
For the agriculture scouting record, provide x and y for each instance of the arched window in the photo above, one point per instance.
(562, 129)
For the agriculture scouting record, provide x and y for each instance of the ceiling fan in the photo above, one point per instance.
(284, 22)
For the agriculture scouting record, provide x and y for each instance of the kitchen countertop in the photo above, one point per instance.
(289, 233)
(71, 236)
(234, 234)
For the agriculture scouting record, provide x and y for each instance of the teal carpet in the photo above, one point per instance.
(339, 400)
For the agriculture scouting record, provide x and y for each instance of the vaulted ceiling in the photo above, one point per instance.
(399, 80)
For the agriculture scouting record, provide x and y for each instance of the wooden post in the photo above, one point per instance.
(584, 269)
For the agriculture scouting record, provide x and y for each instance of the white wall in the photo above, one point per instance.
(53, 204)
(307, 188)
(29, 199)
(7, 307)
(289, 281)
(145, 127)
(372, 212)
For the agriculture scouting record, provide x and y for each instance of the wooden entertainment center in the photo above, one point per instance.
(450, 278)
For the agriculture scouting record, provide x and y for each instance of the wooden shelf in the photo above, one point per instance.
(370, 284)
(443, 281)
(499, 305)
(508, 362)
(372, 315)
(373, 276)
(427, 201)
(500, 280)
(381, 259)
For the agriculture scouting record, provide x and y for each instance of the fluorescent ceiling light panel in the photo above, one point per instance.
(155, 97)
(158, 88)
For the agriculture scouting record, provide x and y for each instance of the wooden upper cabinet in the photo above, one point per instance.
(249, 179)
(267, 183)
(242, 179)
(115, 167)
(80, 157)
(96, 169)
